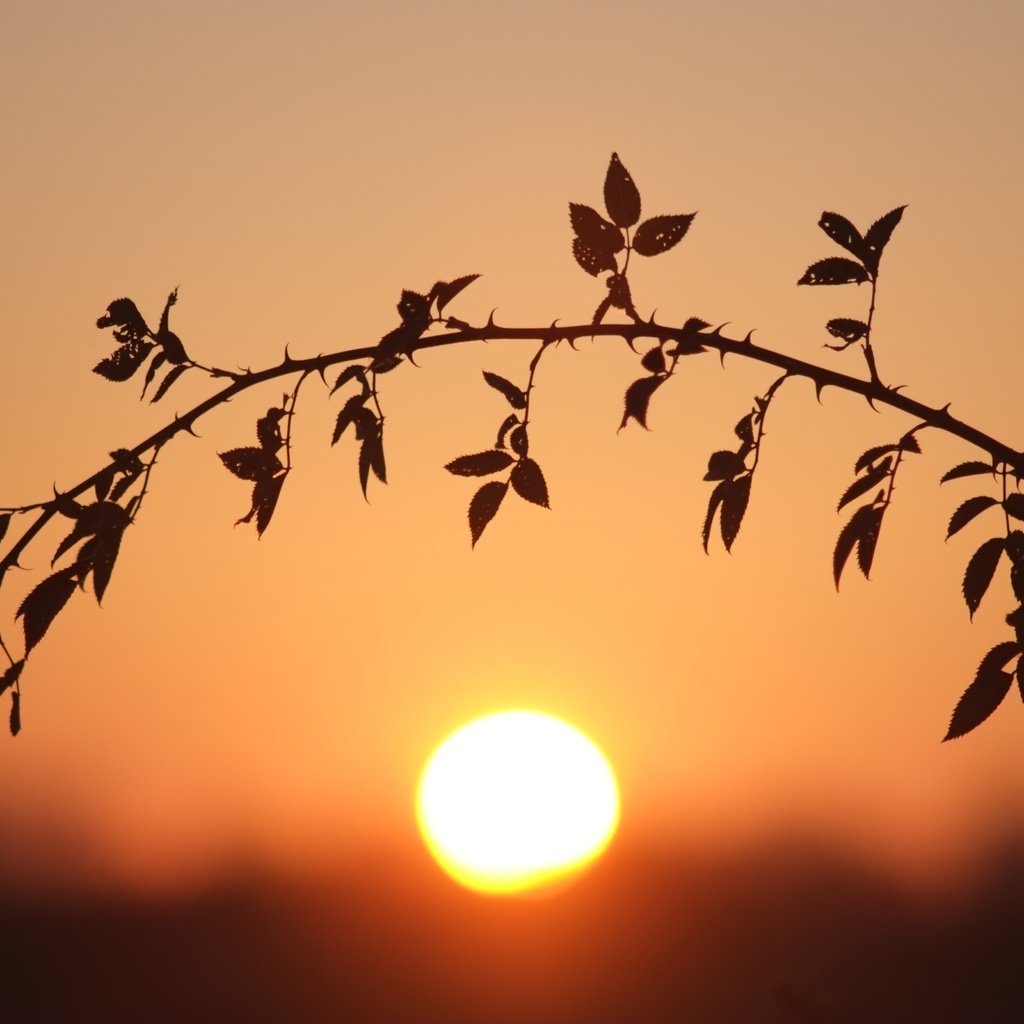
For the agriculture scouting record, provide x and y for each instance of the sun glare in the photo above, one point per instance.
(516, 800)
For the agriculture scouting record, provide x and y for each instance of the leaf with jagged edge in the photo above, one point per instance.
(5, 521)
(513, 395)
(157, 361)
(734, 507)
(865, 483)
(872, 454)
(251, 463)
(877, 237)
(840, 230)
(507, 424)
(268, 430)
(123, 362)
(593, 261)
(414, 309)
(166, 383)
(264, 500)
(621, 196)
(980, 570)
(659, 234)
(971, 508)
(654, 360)
(43, 604)
(848, 330)
(11, 676)
(991, 684)
(347, 416)
(444, 291)
(98, 556)
(910, 443)
(972, 468)
(619, 295)
(484, 506)
(855, 528)
(744, 429)
(354, 372)
(713, 502)
(124, 316)
(834, 270)
(868, 540)
(603, 306)
(1014, 505)
(594, 231)
(638, 397)
(14, 722)
(481, 463)
(519, 439)
(724, 465)
(528, 482)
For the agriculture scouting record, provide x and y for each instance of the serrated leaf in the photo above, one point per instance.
(840, 230)
(910, 443)
(713, 502)
(14, 721)
(734, 506)
(659, 234)
(444, 292)
(354, 372)
(347, 416)
(528, 482)
(654, 360)
(991, 685)
(865, 483)
(484, 506)
(972, 468)
(619, 295)
(744, 429)
(375, 445)
(724, 465)
(251, 463)
(878, 235)
(872, 454)
(593, 261)
(638, 398)
(12, 675)
(1014, 505)
(971, 508)
(268, 430)
(519, 440)
(165, 384)
(414, 309)
(849, 330)
(855, 528)
(122, 363)
(621, 196)
(594, 231)
(98, 556)
(5, 522)
(835, 270)
(481, 464)
(868, 540)
(264, 500)
(980, 570)
(507, 424)
(124, 314)
(43, 604)
(513, 395)
(603, 306)
(155, 363)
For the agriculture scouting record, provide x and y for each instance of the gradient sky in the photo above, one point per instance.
(291, 168)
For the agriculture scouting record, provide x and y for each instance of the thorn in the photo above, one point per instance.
(490, 318)
(819, 386)
(408, 355)
(746, 340)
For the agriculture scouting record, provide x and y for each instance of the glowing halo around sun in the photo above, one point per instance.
(516, 800)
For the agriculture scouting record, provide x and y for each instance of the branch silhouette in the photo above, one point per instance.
(113, 495)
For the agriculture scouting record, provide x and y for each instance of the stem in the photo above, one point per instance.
(869, 353)
(767, 399)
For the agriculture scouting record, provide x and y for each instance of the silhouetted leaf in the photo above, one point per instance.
(155, 363)
(349, 413)
(967, 469)
(42, 605)
(840, 230)
(251, 463)
(724, 465)
(371, 454)
(638, 397)
(713, 502)
(980, 570)
(366, 423)
(15, 719)
(865, 483)
(734, 506)
(519, 440)
(619, 295)
(603, 306)
(659, 234)
(835, 270)
(594, 231)
(124, 314)
(528, 482)
(444, 291)
(877, 237)
(654, 360)
(11, 676)
(480, 464)
(1014, 505)
(857, 526)
(621, 197)
(513, 395)
(268, 430)
(484, 505)
(264, 501)
(872, 454)
(849, 330)
(868, 539)
(986, 693)
(98, 555)
(507, 424)
(593, 261)
(910, 443)
(5, 521)
(352, 373)
(124, 361)
(967, 511)
(744, 429)
(414, 309)
(165, 384)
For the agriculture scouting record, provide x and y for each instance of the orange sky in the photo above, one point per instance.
(291, 168)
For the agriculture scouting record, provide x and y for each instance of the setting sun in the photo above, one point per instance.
(516, 800)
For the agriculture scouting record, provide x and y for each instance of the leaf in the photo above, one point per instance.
(734, 506)
(603, 306)
(268, 430)
(481, 464)
(621, 196)
(594, 231)
(967, 469)
(43, 604)
(165, 384)
(484, 506)
(5, 521)
(910, 443)
(593, 261)
(856, 527)
(157, 361)
(638, 397)
(264, 501)
(659, 234)
(374, 446)
(980, 570)
(414, 309)
(98, 555)
(251, 463)
(507, 424)
(512, 394)
(654, 360)
(123, 313)
(121, 364)
(991, 684)
(967, 511)
(528, 482)
(713, 502)
(352, 373)
(11, 676)
(835, 270)
(619, 295)
(15, 719)
(865, 483)
(878, 236)
(868, 539)
(872, 454)
(444, 292)
(1014, 505)
(349, 414)
(849, 330)
(744, 429)
(724, 465)
(840, 230)
(520, 441)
